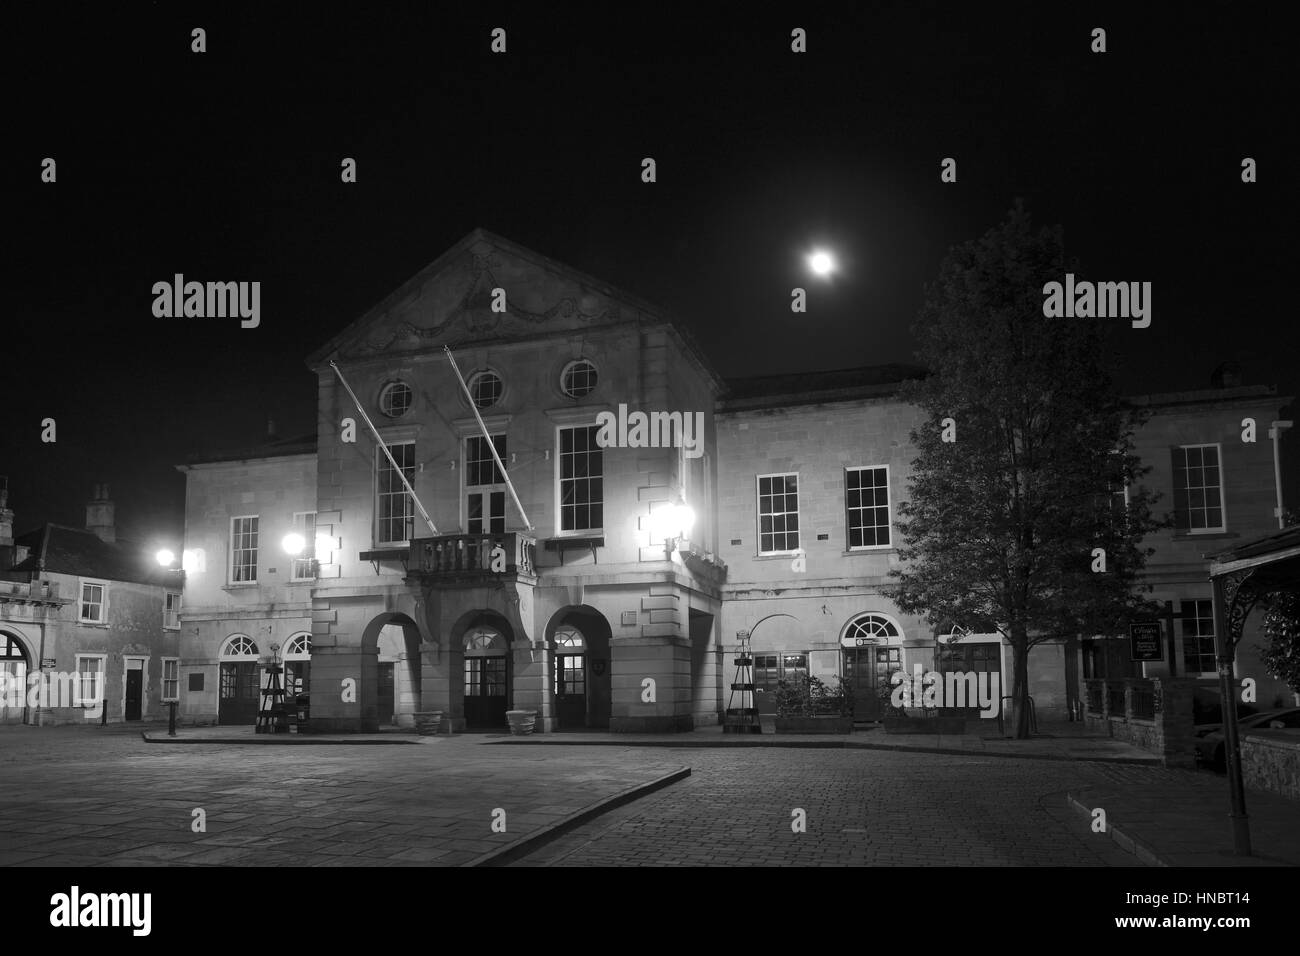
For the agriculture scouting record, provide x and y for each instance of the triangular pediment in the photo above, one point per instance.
(450, 302)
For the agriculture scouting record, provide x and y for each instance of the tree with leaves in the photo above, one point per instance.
(1017, 513)
(1281, 653)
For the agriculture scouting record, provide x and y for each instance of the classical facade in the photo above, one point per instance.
(578, 589)
(94, 617)
(577, 601)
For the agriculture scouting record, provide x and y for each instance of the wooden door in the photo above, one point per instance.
(485, 692)
(386, 695)
(134, 694)
(239, 694)
(571, 691)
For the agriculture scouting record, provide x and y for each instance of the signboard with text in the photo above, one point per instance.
(1144, 641)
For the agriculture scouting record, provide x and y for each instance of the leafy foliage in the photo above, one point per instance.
(1002, 523)
(1281, 656)
(812, 697)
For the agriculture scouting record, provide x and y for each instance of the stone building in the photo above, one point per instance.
(590, 599)
(585, 606)
(831, 461)
(94, 616)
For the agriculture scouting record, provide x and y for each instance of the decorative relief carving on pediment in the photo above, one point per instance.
(473, 318)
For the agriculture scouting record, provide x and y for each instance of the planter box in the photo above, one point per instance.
(925, 725)
(814, 725)
(521, 721)
(428, 722)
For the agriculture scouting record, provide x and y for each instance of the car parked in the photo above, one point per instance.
(1209, 737)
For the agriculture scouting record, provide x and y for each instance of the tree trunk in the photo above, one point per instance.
(1020, 695)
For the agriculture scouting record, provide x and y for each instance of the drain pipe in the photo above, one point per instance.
(1275, 433)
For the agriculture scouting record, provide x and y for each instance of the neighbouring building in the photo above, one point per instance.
(587, 600)
(94, 616)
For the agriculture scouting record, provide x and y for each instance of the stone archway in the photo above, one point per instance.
(400, 662)
(480, 670)
(15, 666)
(578, 637)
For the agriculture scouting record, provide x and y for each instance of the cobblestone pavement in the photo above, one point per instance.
(89, 796)
(863, 808)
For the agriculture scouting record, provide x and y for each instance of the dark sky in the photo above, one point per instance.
(225, 166)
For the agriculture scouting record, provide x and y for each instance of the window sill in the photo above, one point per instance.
(561, 542)
(243, 585)
(881, 549)
(1204, 535)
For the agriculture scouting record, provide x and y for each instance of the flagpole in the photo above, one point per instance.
(374, 431)
(491, 447)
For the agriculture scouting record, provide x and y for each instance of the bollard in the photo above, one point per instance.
(171, 718)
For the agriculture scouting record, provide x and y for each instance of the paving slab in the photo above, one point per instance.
(430, 805)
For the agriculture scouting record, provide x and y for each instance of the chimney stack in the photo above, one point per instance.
(8, 556)
(1226, 375)
(99, 515)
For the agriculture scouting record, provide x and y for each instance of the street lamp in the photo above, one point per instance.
(165, 557)
(293, 543)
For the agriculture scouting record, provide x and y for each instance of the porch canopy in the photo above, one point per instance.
(1248, 572)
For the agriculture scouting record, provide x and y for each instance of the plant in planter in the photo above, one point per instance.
(811, 707)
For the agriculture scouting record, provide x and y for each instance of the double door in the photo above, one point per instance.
(485, 692)
(870, 670)
(240, 693)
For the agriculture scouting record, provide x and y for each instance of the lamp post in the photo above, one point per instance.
(166, 558)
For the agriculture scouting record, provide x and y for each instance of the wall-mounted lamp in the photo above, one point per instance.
(672, 524)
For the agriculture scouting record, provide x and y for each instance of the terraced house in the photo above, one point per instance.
(92, 616)
(499, 552)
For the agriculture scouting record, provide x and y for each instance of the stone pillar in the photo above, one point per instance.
(330, 713)
(435, 685)
(533, 678)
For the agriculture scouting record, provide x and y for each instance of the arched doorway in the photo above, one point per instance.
(14, 665)
(390, 671)
(297, 668)
(570, 678)
(239, 687)
(487, 678)
(580, 639)
(872, 651)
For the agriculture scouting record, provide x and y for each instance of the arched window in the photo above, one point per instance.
(570, 639)
(297, 664)
(871, 629)
(238, 647)
(298, 647)
(485, 640)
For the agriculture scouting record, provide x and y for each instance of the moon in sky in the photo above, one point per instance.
(821, 263)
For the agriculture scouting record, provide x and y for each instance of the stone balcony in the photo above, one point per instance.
(473, 558)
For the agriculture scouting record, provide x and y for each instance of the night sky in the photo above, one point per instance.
(225, 166)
